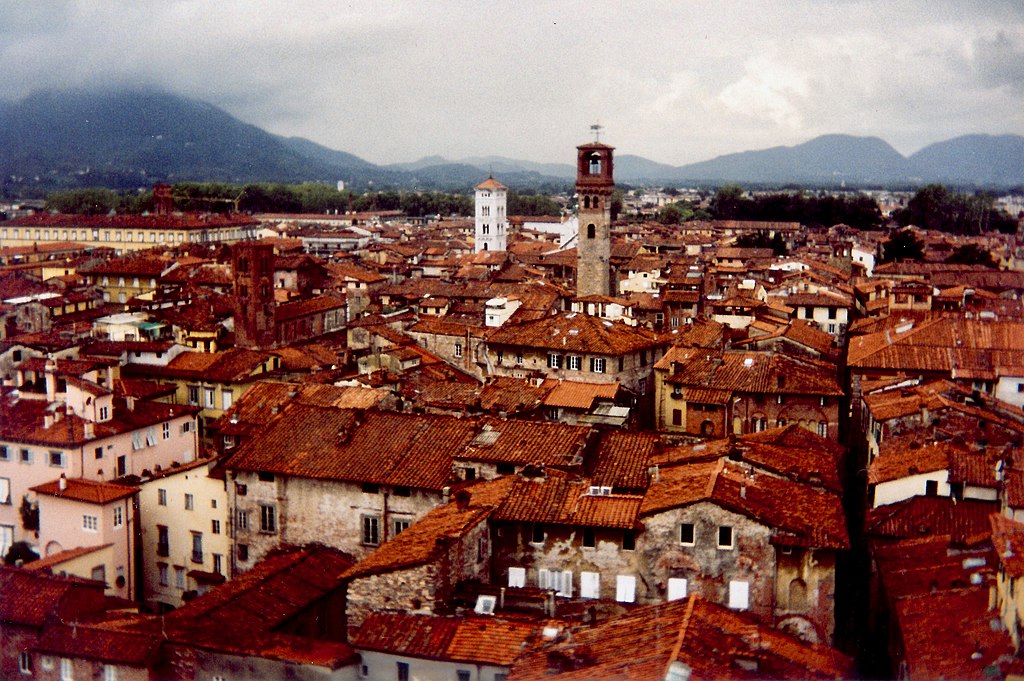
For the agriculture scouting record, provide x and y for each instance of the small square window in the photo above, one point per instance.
(243, 552)
(686, 534)
(725, 537)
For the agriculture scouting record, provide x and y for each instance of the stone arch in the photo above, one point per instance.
(53, 547)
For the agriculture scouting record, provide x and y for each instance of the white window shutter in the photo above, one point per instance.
(544, 579)
(566, 589)
(517, 576)
(676, 588)
(625, 588)
(590, 584)
(739, 595)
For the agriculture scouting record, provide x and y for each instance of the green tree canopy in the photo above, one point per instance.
(971, 254)
(902, 245)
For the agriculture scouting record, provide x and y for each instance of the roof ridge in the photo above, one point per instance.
(713, 480)
(682, 634)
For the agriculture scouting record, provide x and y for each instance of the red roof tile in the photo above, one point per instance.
(89, 491)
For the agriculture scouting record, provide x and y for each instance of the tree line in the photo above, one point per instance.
(310, 197)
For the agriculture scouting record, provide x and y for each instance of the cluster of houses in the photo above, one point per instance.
(347, 447)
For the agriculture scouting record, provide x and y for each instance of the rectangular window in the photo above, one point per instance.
(686, 534)
(597, 365)
(109, 672)
(5, 453)
(400, 526)
(242, 520)
(104, 413)
(90, 523)
(628, 540)
(179, 577)
(462, 675)
(215, 527)
(25, 455)
(5, 491)
(197, 547)
(402, 671)
(537, 535)
(225, 399)
(25, 662)
(190, 502)
(163, 546)
(66, 669)
(590, 585)
(218, 563)
(589, 540)
(676, 588)
(118, 516)
(99, 453)
(458, 349)
(677, 417)
(151, 436)
(161, 569)
(193, 394)
(243, 552)
(625, 588)
(554, 360)
(268, 518)
(725, 537)
(371, 530)
(573, 362)
(166, 431)
(739, 595)
(161, 497)
(137, 440)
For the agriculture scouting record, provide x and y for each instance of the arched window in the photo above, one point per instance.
(591, 231)
(586, 202)
(485, 246)
(797, 595)
(594, 164)
(707, 428)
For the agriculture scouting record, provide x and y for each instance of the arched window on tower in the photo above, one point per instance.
(591, 231)
(586, 202)
(594, 164)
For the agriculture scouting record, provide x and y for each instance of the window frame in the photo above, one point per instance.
(732, 538)
(692, 532)
(369, 529)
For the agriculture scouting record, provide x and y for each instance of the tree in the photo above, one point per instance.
(727, 203)
(971, 254)
(670, 214)
(902, 245)
(20, 551)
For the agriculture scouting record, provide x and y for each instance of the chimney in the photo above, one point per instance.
(446, 493)
(51, 380)
(462, 500)
(90, 430)
(47, 421)
(62, 482)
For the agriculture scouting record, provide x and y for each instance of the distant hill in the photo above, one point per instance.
(973, 159)
(135, 138)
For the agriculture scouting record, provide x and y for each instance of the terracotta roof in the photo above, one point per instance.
(949, 634)
(921, 516)
(575, 332)
(64, 556)
(431, 536)
(260, 599)
(576, 395)
(88, 491)
(796, 513)
(172, 221)
(32, 598)
(1008, 539)
(750, 372)
(478, 640)
(622, 458)
(560, 499)
(791, 451)
(309, 306)
(711, 641)
(99, 643)
(526, 442)
(490, 183)
(233, 365)
(376, 447)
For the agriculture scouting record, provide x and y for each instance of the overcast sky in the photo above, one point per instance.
(677, 81)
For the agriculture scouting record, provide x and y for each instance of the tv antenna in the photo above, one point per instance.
(596, 129)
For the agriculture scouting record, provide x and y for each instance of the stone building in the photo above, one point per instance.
(491, 221)
(594, 185)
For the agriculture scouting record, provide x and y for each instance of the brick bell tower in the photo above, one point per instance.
(253, 268)
(594, 186)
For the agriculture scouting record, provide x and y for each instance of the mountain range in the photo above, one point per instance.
(134, 138)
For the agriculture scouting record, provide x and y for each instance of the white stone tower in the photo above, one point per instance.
(491, 220)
